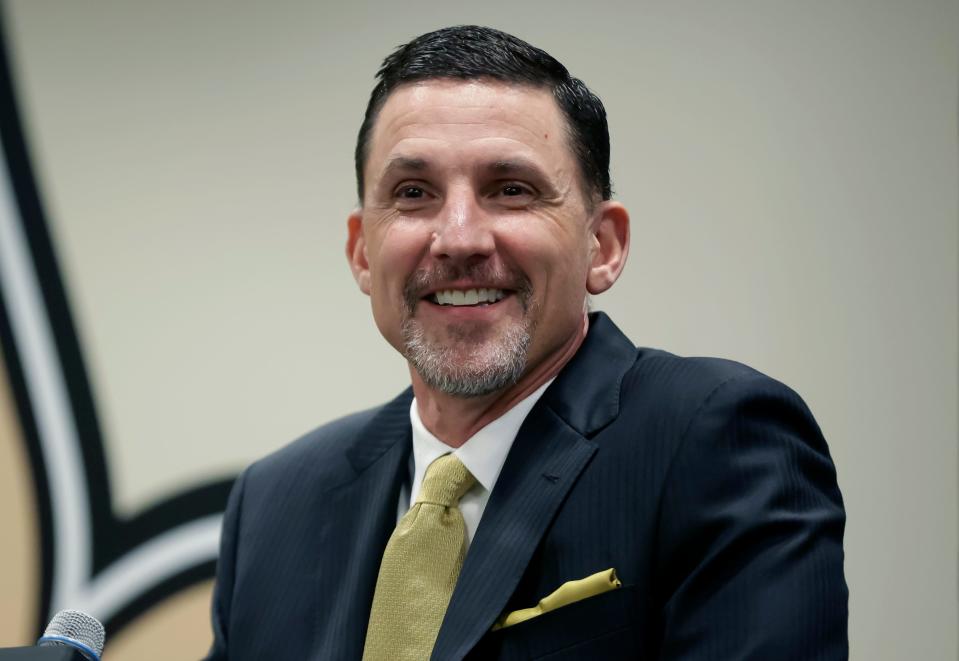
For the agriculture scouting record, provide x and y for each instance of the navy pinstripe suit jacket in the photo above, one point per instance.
(706, 485)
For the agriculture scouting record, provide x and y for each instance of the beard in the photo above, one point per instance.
(470, 362)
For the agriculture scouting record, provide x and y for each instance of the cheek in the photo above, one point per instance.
(393, 256)
(564, 294)
(555, 261)
(387, 278)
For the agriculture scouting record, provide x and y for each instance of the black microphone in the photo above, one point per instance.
(70, 636)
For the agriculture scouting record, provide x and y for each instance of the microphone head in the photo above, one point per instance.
(75, 629)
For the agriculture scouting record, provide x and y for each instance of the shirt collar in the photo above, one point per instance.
(483, 454)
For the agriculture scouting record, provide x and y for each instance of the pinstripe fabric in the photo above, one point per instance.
(706, 485)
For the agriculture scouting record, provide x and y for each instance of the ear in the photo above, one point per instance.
(356, 251)
(609, 229)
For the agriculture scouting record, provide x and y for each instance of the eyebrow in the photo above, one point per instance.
(526, 169)
(514, 166)
(508, 166)
(404, 164)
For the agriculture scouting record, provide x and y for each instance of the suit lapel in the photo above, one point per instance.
(360, 516)
(586, 392)
(548, 456)
(542, 465)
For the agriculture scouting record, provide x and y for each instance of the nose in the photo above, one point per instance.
(463, 229)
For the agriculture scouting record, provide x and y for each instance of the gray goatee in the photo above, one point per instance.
(467, 365)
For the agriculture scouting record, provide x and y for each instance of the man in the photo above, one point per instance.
(569, 495)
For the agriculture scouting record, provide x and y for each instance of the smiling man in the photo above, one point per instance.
(544, 488)
(477, 242)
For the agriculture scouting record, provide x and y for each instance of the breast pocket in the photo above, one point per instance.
(600, 627)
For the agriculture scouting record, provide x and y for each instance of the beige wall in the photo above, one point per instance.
(791, 169)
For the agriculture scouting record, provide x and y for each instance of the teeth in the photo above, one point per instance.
(468, 297)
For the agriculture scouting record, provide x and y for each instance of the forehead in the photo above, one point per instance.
(449, 118)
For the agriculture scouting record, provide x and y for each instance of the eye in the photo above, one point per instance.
(512, 193)
(410, 192)
(412, 195)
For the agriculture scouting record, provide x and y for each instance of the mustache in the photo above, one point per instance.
(423, 280)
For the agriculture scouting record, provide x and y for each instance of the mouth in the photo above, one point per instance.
(477, 297)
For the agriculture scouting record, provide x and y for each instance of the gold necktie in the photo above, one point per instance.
(419, 569)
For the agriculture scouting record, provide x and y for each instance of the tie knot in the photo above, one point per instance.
(446, 480)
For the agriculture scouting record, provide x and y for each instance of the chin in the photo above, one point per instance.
(467, 368)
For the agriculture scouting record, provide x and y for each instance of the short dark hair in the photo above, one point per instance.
(474, 52)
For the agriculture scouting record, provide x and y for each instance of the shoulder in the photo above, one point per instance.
(317, 459)
(700, 400)
(689, 383)
(720, 403)
(611, 382)
(321, 460)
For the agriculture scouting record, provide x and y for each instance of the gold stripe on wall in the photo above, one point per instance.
(20, 549)
(176, 628)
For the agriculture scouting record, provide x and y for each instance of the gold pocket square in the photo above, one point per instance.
(567, 593)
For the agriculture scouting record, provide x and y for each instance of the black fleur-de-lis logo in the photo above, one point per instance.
(92, 559)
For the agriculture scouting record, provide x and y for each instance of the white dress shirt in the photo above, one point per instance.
(483, 454)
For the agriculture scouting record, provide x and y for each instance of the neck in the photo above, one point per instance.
(454, 420)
